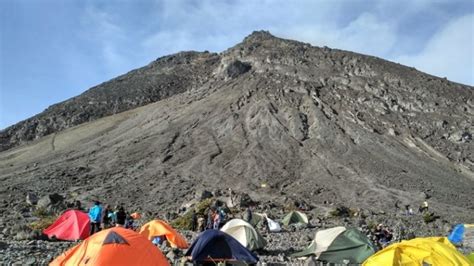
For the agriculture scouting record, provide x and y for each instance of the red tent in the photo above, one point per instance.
(71, 225)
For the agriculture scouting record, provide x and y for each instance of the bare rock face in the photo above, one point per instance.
(160, 79)
(277, 119)
(237, 68)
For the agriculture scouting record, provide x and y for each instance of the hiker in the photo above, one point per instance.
(158, 240)
(200, 224)
(383, 236)
(378, 234)
(209, 224)
(113, 216)
(193, 221)
(77, 205)
(302, 206)
(135, 222)
(423, 207)
(222, 216)
(129, 222)
(248, 215)
(408, 210)
(216, 220)
(121, 216)
(387, 236)
(95, 215)
(105, 218)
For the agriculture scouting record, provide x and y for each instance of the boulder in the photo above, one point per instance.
(50, 200)
(31, 198)
(237, 68)
(204, 194)
(244, 200)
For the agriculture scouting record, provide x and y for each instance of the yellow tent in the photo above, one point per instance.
(418, 252)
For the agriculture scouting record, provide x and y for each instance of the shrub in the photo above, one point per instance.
(41, 212)
(185, 222)
(429, 217)
(43, 222)
(342, 211)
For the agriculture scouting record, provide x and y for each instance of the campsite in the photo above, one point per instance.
(219, 132)
(251, 234)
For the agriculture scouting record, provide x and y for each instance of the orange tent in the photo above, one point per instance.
(160, 228)
(114, 246)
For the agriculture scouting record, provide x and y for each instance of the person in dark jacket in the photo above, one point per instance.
(193, 221)
(248, 215)
(105, 219)
(209, 222)
(121, 217)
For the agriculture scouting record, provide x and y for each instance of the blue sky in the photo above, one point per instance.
(51, 50)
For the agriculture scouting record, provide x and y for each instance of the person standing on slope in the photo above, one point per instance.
(105, 217)
(95, 215)
(121, 216)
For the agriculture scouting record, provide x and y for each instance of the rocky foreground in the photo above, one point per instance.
(24, 246)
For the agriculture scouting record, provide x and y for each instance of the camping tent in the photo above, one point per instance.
(463, 234)
(256, 218)
(114, 246)
(244, 233)
(156, 228)
(419, 251)
(337, 244)
(71, 225)
(295, 217)
(214, 245)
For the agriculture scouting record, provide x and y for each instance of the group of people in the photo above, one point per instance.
(103, 218)
(216, 218)
(382, 235)
(409, 210)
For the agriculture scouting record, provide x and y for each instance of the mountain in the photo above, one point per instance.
(313, 124)
(158, 80)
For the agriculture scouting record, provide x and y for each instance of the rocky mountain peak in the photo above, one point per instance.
(258, 36)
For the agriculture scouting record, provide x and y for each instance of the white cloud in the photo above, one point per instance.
(373, 28)
(366, 34)
(449, 53)
(99, 27)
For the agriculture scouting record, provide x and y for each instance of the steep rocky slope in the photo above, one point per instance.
(160, 79)
(314, 124)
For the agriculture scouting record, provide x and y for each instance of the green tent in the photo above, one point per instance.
(257, 218)
(339, 244)
(295, 217)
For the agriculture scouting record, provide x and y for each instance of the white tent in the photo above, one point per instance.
(244, 233)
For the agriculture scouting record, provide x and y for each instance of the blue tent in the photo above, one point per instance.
(462, 234)
(215, 245)
(456, 235)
